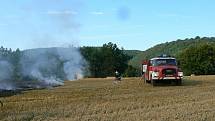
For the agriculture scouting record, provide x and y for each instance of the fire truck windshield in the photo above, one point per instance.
(160, 62)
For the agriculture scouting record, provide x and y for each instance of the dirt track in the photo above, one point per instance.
(101, 99)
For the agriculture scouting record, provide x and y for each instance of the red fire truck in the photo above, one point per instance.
(161, 69)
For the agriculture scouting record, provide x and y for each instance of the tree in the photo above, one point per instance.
(103, 61)
(198, 60)
(15, 60)
(94, 59)
(132, 72)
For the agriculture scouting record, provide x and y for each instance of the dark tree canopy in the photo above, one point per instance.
(103, 61)
(199, 60)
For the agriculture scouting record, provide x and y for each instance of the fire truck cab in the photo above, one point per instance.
(161, 69)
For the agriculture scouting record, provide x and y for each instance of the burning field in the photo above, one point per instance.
(39, 68)
(101, 99)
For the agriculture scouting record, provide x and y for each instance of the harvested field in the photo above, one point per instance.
(103, 100)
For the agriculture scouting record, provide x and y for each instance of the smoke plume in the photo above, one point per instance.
(6, 71)
(41, 68)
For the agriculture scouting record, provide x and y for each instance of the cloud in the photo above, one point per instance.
(63, 12)
(97, 13)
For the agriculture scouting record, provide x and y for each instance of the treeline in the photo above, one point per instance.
(198, 60)
(104, 61)
(9, 64)
(40, 64)
(15, 66)
(195, 55)
(172, 48)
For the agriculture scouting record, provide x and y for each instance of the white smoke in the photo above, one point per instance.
(42, 68)
(52, 66)
(74, 60)
(6, 71)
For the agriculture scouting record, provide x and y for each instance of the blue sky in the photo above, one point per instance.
(132, 24)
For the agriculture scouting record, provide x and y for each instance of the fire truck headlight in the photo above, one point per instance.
(155, 74)
(180, 74)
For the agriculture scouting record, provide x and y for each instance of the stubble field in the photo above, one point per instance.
(104, 100)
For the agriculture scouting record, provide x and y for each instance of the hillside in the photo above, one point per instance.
(91, 54)
(132, 53)
(172, 48)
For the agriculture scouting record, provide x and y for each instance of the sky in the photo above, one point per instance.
(131, 24)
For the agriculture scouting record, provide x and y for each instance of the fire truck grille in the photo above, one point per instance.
(169, 72)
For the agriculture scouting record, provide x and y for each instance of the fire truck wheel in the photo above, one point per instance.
(179, 82)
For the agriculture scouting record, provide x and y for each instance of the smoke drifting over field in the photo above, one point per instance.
(41, 68)
(6, 70)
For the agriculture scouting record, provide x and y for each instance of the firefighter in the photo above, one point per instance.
(117, 76)
(142, 75)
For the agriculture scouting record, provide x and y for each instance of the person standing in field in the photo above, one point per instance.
(117, 76)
